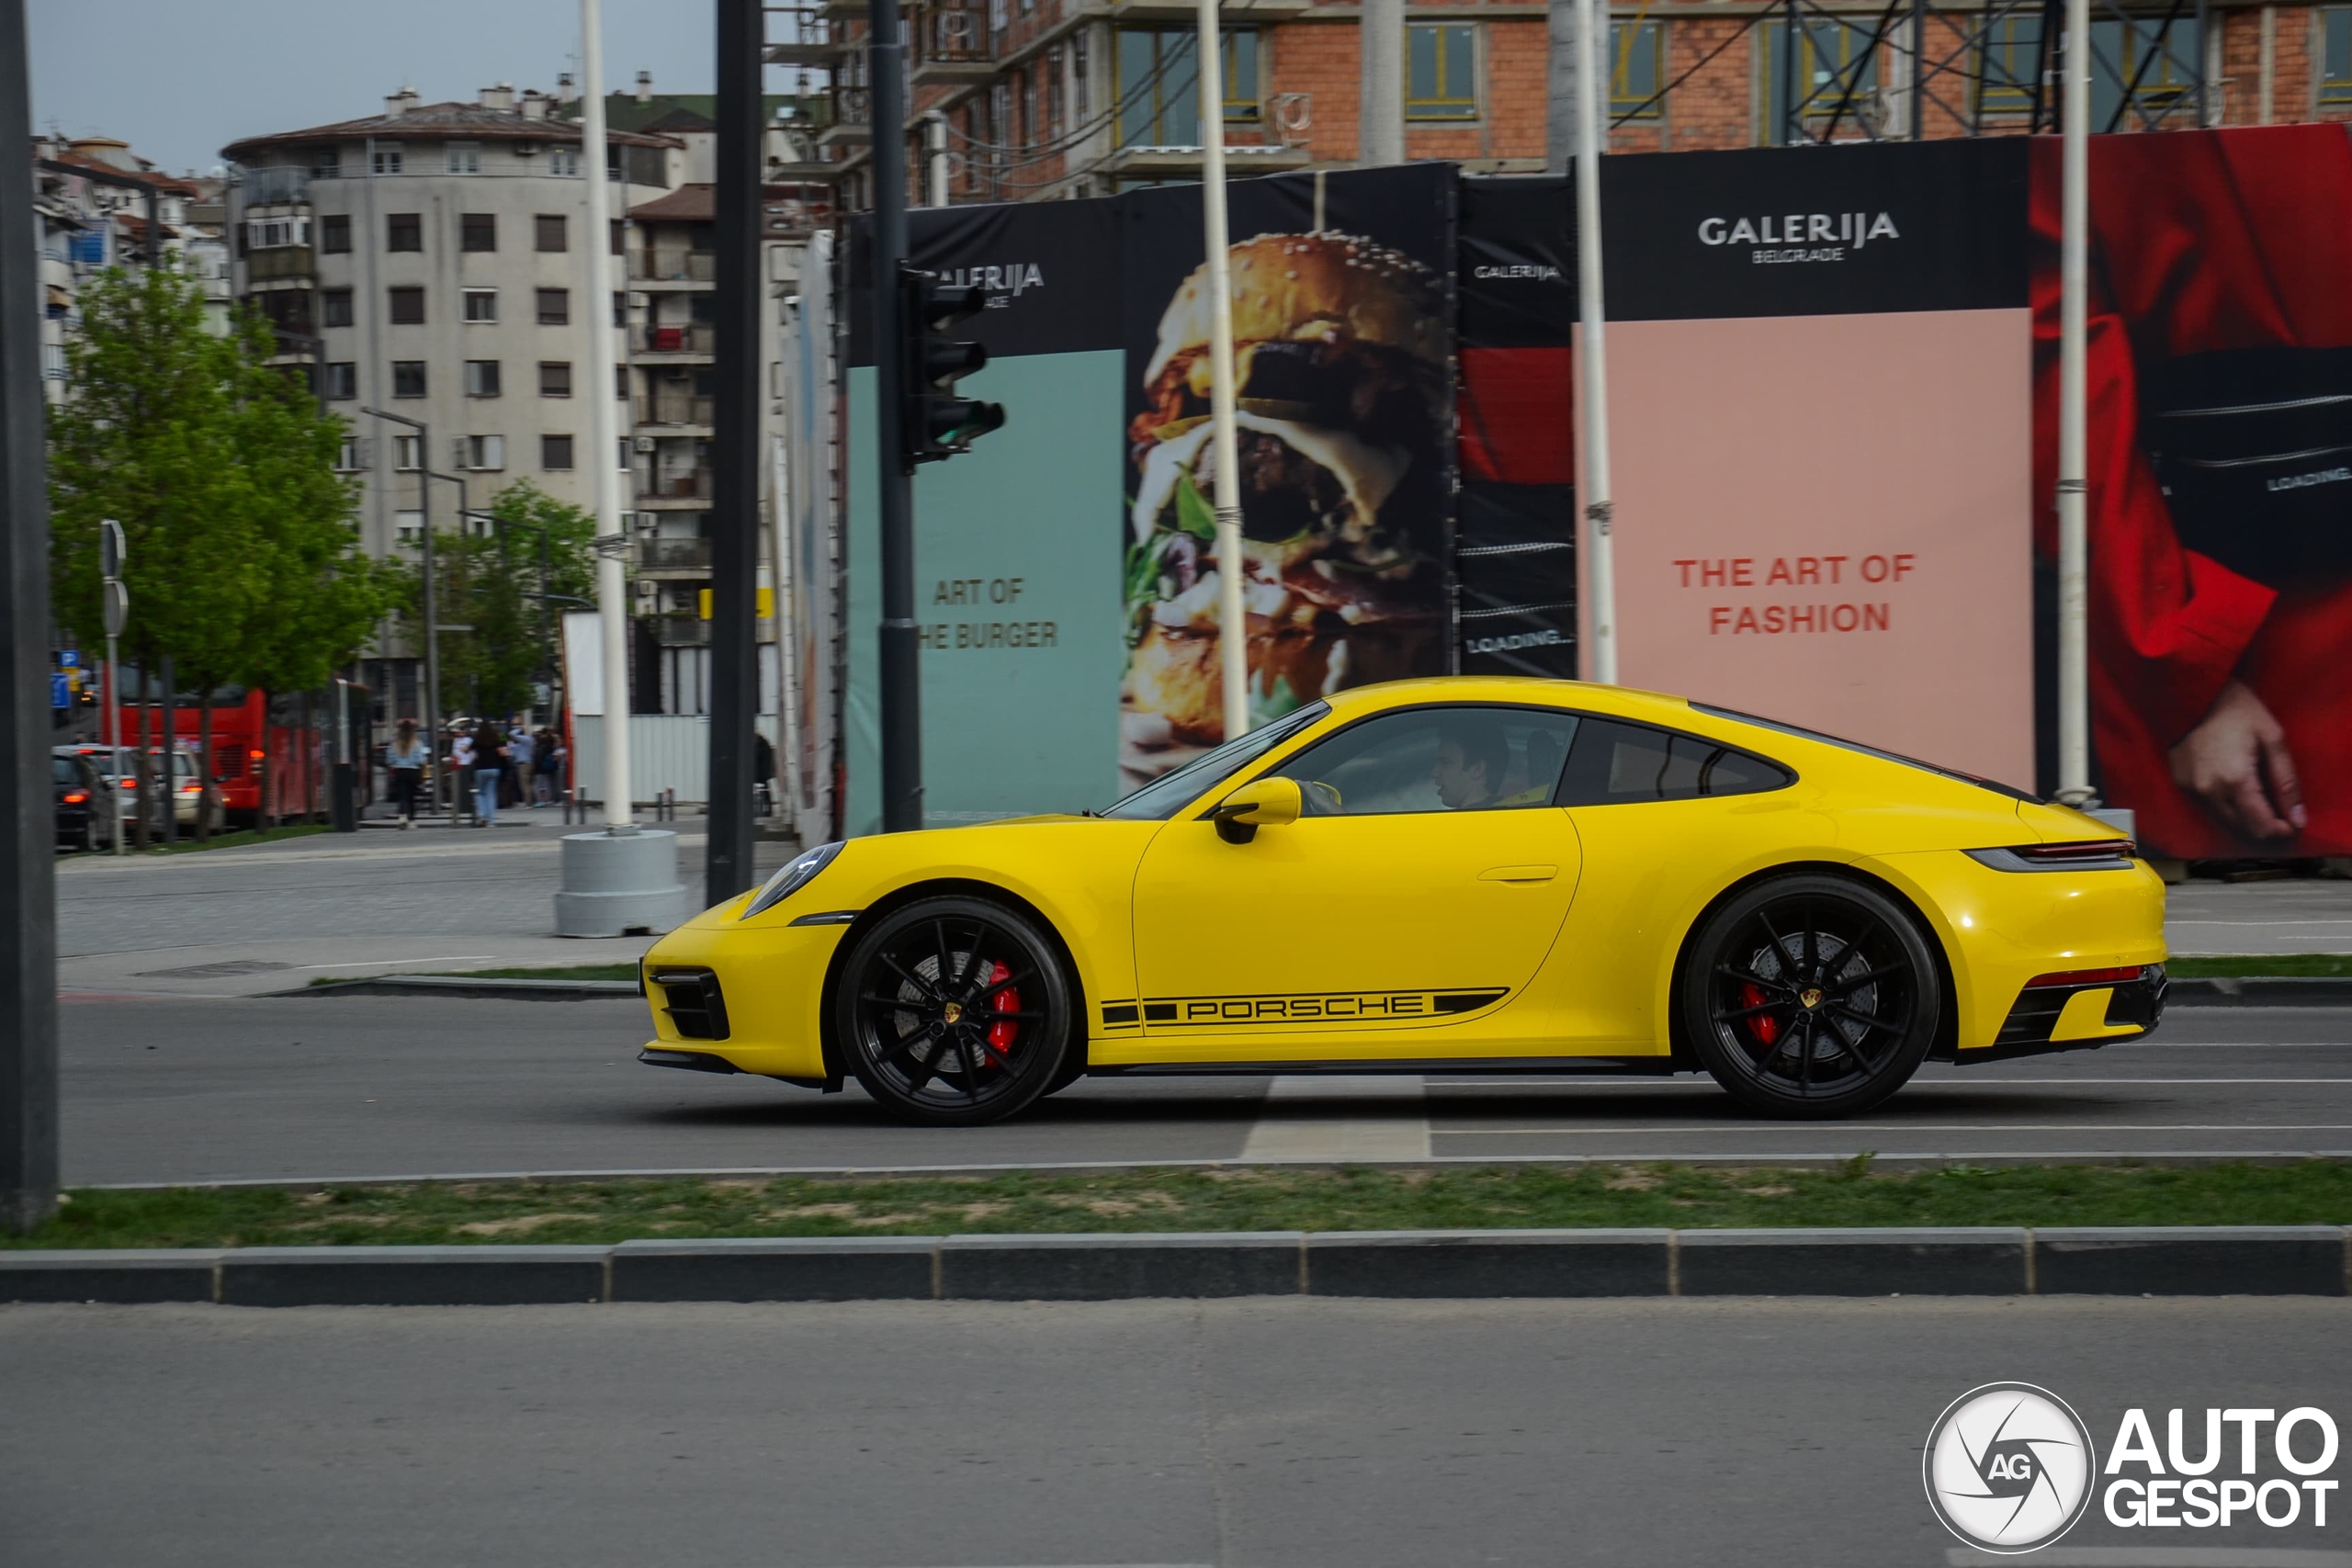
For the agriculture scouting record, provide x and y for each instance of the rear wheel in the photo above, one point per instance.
(1810, 997)
(954, 1013)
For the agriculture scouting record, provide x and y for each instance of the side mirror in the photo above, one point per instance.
(1261, 802)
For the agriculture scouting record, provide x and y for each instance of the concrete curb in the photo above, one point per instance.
(2261, 991)
(2311, 1260)
(464, 985)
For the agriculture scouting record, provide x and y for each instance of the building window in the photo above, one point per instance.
(482, 377)
(563, 161)
(351, 455)
(2160, 62)
(620, 386)
(555, 451)
(555, 307)
(339, 380)
(409, 526)
(477, 232)
(266, 234)
(407, 307)
(482, 304)
(403, 232)
(620, 307)
(408, 377)
(334, 307)
(620, 237)
(548, 233)
(1637, 70)
(2335, 57)
(465, 157)
(1054, 91)
(2011, 64)
(1831, 69)
(1441, 71)
(1079, 90)
(485, 452)
(387, 160)
(555, 378)
(408, 452)
(334, 234)
(1159, 105)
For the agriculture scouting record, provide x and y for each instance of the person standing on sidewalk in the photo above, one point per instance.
(404, 759)
(490, 767)
(523, 753)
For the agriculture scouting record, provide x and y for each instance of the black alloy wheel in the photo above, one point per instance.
(955, 1012)
(1810, 997)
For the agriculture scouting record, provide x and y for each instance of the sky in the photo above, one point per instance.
(181, 79)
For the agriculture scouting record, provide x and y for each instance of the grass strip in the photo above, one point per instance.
(1352, 1198)
(2323, 966)
(186, 844)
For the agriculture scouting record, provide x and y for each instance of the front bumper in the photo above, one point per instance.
(744, 998)
(2078, 1016)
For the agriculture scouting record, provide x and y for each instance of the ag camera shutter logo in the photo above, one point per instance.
(2008, 1467)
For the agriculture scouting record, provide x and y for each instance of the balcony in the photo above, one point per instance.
(1184, 163)
(659, 265)
(674, 343)
(951, 44)
(816, 38)
(674, 557)
(852, 111)
(275, 183)
(279, 261)
(673, 490)
(676, 408)
(681, 631)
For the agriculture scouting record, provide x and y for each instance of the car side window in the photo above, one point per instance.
(1613, 762)
(1463, 757)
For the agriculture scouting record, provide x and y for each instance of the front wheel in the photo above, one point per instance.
(1810, 997)
(954, 1013)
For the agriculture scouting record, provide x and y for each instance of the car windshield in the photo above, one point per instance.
(2011, 791)
(1163, 796)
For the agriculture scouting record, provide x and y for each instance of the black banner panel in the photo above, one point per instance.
(1836, 231)
(1050, 270)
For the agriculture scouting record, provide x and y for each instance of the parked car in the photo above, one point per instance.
(79, 793)
(188, 791)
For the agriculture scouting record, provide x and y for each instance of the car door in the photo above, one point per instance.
(1422, 887)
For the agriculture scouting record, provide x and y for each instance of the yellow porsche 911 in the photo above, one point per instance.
(1443, 876)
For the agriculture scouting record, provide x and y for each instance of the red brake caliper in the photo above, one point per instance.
(1001, 1032)
(1763, 1025)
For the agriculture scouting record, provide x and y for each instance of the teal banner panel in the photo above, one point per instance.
(1017, 573)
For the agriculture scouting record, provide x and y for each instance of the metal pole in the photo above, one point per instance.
(1790, 116)
(1233, 625)
(900, 648)
(115, 609)
(612, 544)
(432, 601)
(934, 146)
(735, 454)
(1382, 142)
(2073, 543)
(27, 874)
(1593, 358)
(168, 789)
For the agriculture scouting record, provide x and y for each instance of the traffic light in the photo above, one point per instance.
(936, 424)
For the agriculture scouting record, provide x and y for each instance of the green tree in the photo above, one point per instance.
(243, 557)
(509, 574)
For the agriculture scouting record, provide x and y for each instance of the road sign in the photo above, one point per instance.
(69, 658)
(112, 547)
(117, 606)
(60, 695)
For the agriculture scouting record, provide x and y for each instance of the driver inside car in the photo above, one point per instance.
(1472, 758)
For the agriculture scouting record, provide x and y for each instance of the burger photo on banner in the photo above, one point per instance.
(2220, 482)
(1342, 358)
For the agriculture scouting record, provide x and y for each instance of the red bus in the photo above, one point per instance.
(291, 752)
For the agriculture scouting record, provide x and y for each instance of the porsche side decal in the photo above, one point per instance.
(1347, 1006)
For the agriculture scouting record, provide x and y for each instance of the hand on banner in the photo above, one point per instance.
(2236, 764)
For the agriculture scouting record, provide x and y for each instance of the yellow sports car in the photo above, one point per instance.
(1443, 875)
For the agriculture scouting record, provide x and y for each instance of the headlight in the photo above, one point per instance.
(796, 875)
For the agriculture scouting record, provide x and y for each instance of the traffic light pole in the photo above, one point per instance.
(29, 1161)
(894, 486)
(735, 454)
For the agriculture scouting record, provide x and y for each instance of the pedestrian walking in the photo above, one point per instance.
(490, 768)
(558, 763)
(522, 756)
(404, 759)
(458, 767)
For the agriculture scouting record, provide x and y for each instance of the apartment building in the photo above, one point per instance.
(90, 208)
(1042, 99)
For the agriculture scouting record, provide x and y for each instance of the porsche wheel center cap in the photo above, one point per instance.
(953, 1012)
(1810, 997)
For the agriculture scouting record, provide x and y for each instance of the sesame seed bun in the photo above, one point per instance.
(1301, 286)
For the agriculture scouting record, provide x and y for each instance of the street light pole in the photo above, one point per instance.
(1233, 623)
(735, 455)
(431, 615)
(2073, 540)
(612, 541)
(899, 635)
(1600, 510)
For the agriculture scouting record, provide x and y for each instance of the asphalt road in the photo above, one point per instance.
(1292, 1433)
(298, 1088)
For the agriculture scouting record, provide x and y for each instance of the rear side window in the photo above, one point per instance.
(1613, 762)
(63, 770)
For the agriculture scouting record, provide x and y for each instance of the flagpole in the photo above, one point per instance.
(2074, 541)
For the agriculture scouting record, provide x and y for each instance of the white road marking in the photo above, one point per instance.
(1288, 1128)
(2079, 1127)
(1571, 1082)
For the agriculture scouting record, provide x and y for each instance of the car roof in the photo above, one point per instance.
(1628, 701)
